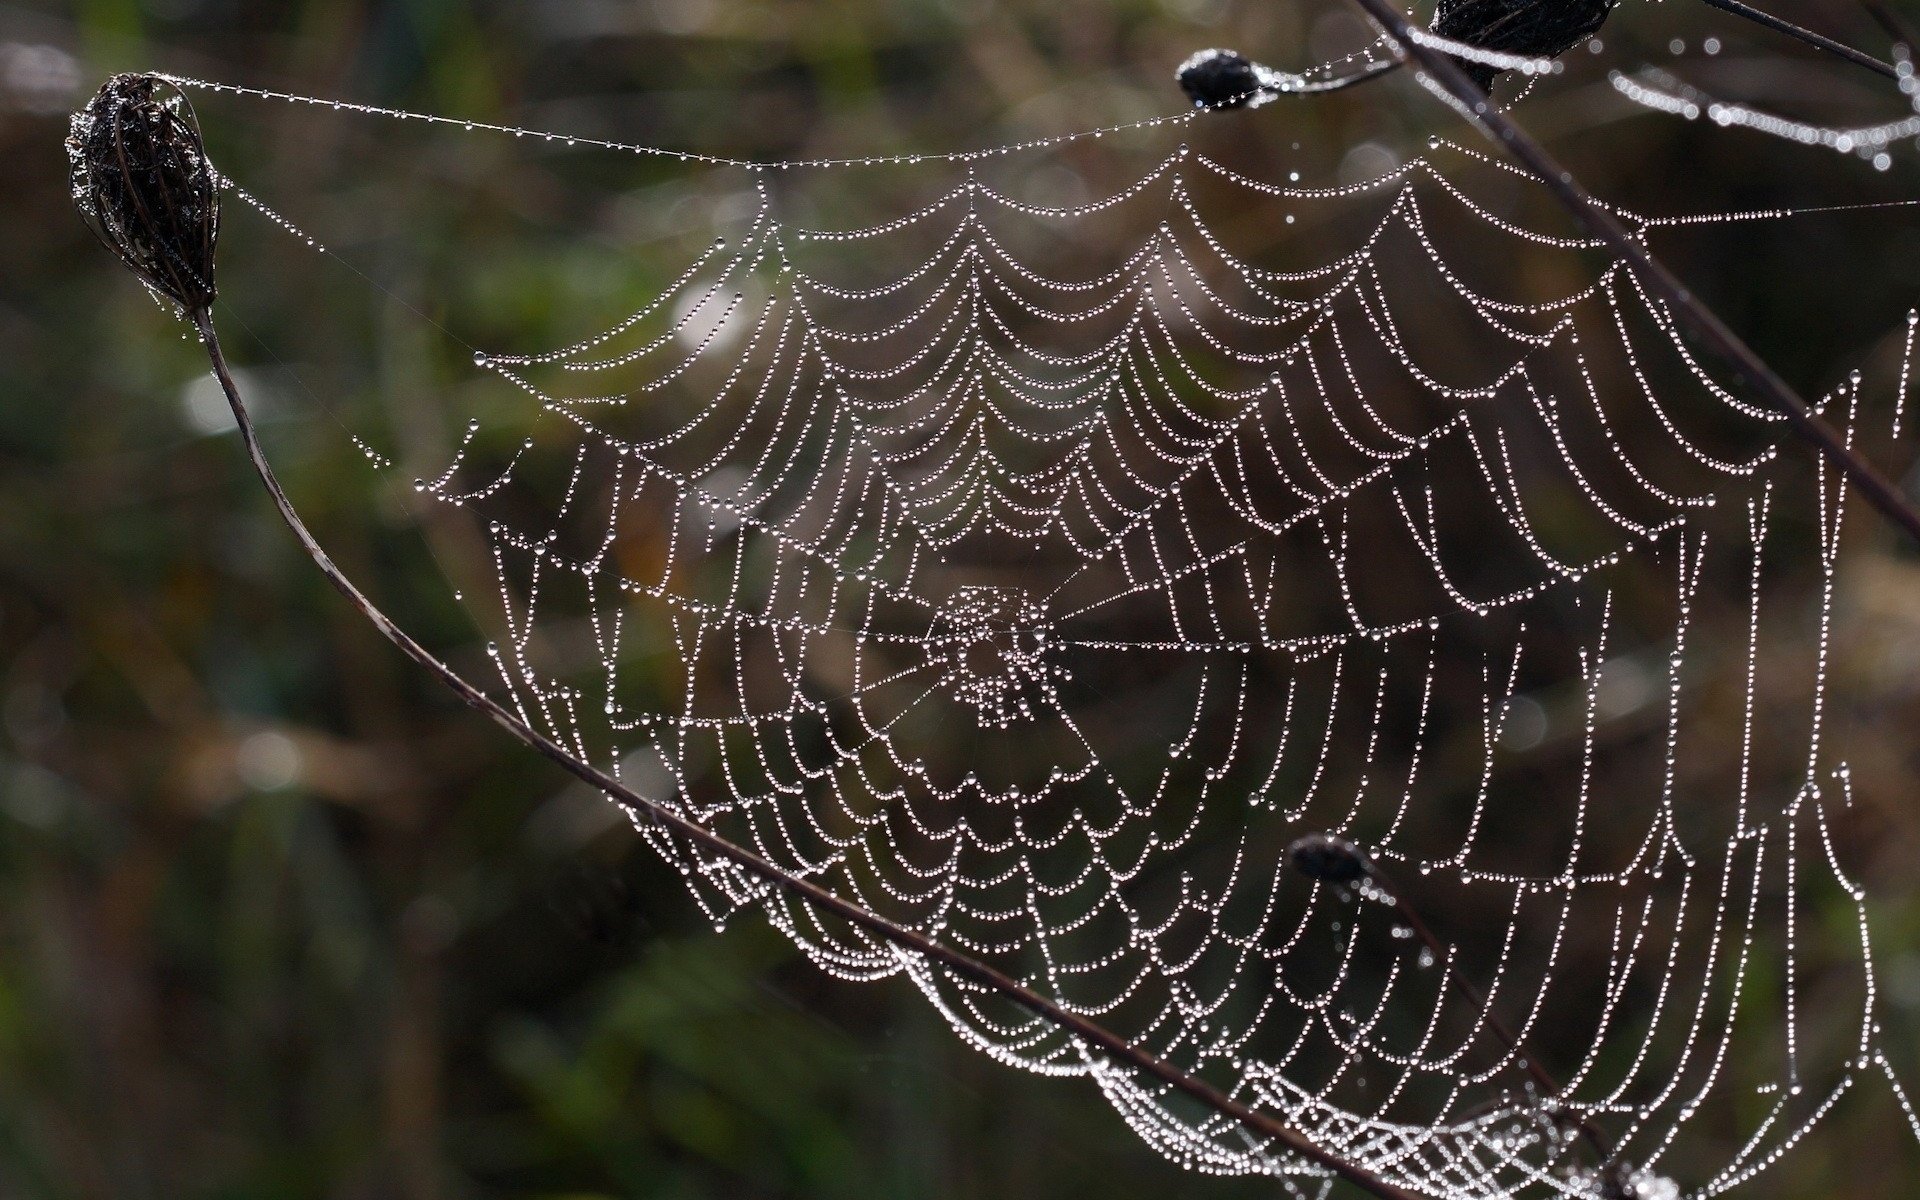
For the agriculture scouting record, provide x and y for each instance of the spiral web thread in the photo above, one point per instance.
(1039, 609)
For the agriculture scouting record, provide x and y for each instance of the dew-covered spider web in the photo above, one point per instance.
(1033, 568)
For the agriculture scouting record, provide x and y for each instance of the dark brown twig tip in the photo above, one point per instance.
(1329, 859)
(142, 183)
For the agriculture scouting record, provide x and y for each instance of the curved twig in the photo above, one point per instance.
(1094, 1038)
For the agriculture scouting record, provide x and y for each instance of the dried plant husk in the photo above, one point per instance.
(1535, 28)
(1329, 859)
(1219, 79)
(142, 182)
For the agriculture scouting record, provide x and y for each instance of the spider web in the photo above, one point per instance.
(1033, 573)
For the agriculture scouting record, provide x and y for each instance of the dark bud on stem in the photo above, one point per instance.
(1534, 28)
(142, 182)
(1218, 79)
(1329, 859)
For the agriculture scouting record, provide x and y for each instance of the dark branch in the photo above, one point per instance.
(1739, 9)
(1693, 313)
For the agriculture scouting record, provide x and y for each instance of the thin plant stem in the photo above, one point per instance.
(1366, 74)
(1095, 1038)
(1818, 41)
(1690, 310)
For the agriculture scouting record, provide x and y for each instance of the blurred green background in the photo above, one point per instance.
(277, 919)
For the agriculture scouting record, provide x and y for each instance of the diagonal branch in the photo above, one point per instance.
(1691, 311)
(1818, 41)
(1095, 1038)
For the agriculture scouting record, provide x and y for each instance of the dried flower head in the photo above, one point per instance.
(142, 182)
(1536, 28)
(1220, 79)
(1329, 859)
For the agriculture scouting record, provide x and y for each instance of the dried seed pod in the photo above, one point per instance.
(1329, 859)
(1219, 79)
(142, 183)
(1536, 28)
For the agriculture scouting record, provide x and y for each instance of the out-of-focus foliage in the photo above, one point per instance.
(278, 920)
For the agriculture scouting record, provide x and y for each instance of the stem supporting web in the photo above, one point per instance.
(1033, 573)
